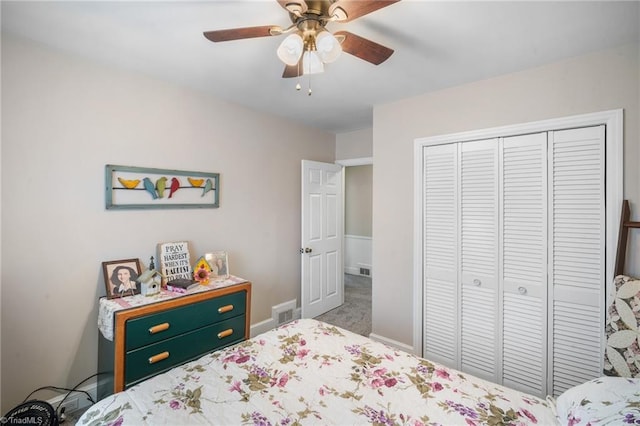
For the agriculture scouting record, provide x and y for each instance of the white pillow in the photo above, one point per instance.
(606, 400)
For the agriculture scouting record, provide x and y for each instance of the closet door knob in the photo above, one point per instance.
(522, 290)
(477, 282)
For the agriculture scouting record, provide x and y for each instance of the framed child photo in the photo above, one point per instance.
(219, 262)
(120, 277)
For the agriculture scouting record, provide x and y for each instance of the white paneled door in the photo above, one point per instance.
(322, 237)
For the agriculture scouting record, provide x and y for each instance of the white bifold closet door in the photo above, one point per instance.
(576, 256)
(523, 253)
(513, 267)
(440, 279)
(478, 207)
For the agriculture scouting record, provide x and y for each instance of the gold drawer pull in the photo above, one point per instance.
(159, 357)
(227, 332)
(223, 309)
(158, 328)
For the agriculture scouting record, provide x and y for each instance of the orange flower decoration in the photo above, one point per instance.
(202, 275)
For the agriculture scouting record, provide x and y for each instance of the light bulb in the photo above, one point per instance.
(290, 49)
(328, 47)
(311, 63)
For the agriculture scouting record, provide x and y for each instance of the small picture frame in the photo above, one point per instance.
(120, 277)
(219, 262)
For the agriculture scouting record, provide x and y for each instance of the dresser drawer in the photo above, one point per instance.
(158, 357)
(173, 322)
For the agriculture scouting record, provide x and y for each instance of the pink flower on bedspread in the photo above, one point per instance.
(235, 387)
(302, 353)
(118, 422)
(572, 420)
(282, 382)
(435, 386)
(390, 382)
(239, 357)
(378, 372)
(442, 373)
(528, 414)
(174, 404)
(376, 383)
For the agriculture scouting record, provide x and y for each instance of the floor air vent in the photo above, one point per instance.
(284, 312)
(285, 316)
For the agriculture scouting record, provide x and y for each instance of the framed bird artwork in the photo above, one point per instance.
(129, 187)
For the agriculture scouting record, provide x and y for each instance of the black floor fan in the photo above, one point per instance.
(32, 412)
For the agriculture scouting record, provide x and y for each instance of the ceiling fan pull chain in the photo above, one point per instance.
(310, 85)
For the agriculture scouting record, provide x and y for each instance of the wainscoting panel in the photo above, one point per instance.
(357, 255)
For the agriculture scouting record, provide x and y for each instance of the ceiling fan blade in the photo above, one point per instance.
(240, 33)
(348, 10)
(292, 70)
(363, 48)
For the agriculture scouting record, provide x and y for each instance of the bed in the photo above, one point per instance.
(310, 372)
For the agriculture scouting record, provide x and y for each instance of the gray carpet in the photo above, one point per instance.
(355, 314)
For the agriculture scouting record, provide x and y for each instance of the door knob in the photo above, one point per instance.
(305, 250)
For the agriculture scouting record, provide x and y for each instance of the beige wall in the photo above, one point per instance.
(357, 144)
(596, 82)
(63, 120)
(358, 191)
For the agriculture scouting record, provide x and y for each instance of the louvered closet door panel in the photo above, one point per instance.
(524, 260)
(479, 257)
(577, 255)
(440, 254)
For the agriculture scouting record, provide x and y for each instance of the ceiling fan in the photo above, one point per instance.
(309, 44)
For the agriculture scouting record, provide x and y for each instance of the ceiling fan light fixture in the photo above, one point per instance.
(290, 49)
(311, 63)
(328, 47)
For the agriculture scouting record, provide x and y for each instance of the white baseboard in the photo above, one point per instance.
(393, 343)
(269, 324)
(76, 400)
(352, 270)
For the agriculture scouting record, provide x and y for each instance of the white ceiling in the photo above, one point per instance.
(437, 45)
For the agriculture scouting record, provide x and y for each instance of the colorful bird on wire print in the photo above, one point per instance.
(150, 187)
(175, 185)
(161, 185)
(197, 183)
(129, 183)
(208, 186)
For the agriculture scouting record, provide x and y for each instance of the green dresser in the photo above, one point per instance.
(154, 338)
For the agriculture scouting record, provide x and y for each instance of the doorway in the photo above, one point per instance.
(355, 313)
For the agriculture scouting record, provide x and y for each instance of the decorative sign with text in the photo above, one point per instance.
(175, 261)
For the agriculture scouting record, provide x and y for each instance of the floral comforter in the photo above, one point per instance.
(309, 372)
